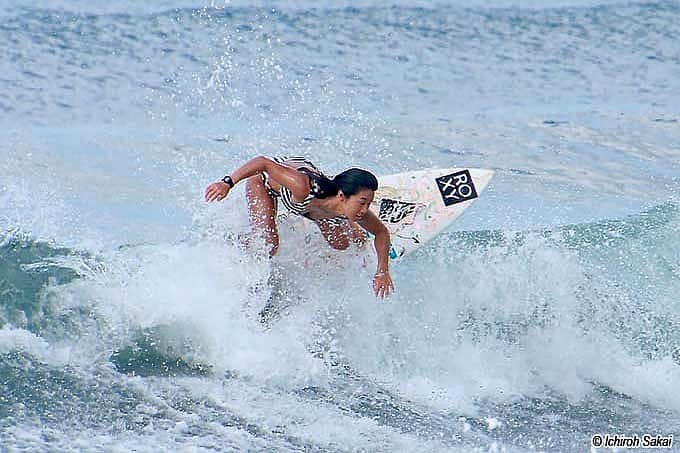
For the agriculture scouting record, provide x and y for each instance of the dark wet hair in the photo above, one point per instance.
(349, 181)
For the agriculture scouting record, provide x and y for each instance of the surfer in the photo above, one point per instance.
(339, 206)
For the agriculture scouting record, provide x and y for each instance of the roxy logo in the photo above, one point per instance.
(456, 187)
(394, 211)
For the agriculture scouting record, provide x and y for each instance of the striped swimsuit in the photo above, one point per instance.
(286, 196)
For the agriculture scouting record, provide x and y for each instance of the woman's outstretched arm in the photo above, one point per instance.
(382, 282)
(296, 182)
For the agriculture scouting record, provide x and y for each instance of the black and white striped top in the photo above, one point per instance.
(285, 195)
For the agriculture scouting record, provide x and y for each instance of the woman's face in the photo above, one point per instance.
(355, 206)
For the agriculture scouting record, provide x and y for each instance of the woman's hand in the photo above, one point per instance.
(217, 191)
(382, 284)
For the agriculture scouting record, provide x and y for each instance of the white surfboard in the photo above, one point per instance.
(418, 205)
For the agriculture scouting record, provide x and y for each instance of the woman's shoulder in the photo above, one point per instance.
(300, 163)
(300, 160)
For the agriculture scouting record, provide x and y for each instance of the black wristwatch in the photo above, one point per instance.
(227, 180)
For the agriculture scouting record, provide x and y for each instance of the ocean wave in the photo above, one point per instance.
(27, 269)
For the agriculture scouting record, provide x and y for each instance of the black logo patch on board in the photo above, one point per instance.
(395, 211)
(456, 187)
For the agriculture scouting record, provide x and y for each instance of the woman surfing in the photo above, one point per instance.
(339, 206)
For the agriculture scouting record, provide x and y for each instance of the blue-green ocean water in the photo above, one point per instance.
(129, 312)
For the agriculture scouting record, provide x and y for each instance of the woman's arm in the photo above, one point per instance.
(288, 177)
(382, 282)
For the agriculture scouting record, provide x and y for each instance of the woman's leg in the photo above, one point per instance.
(262, 212)
(341, 234)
